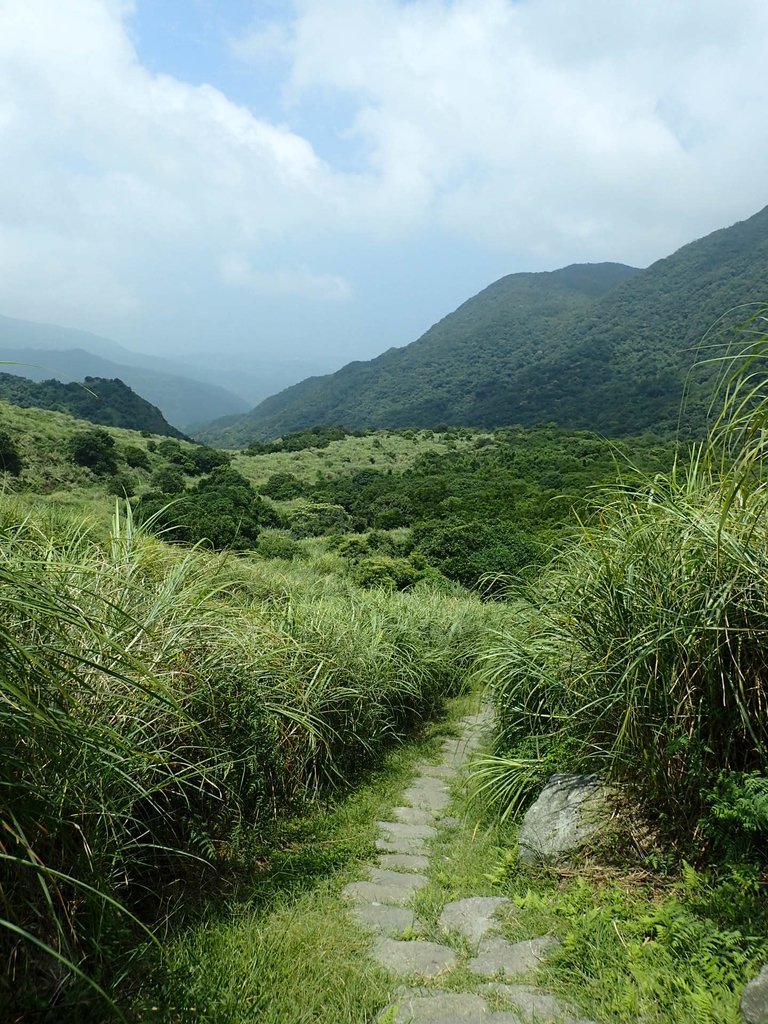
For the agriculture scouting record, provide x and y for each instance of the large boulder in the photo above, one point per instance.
(570, 809)
(754, 1001)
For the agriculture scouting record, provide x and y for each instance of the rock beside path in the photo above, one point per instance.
(754, 1001)
(570, 809)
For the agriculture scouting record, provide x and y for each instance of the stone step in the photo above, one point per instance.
(419, 959)
(473, 917)
(404, 861)
(384, 919)
(497, 957)
(393, 887)
(413, 815)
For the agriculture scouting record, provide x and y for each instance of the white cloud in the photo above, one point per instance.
(597, 123)
(547, 131)
(237, 271)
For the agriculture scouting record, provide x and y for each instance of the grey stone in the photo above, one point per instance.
(407, 847)
(413, 815)
(385, 919)
(425, 959)
(754, 1001)
(474, 917)
(404, 830)
(427, 793)
(436, 1007)
(534, 1006)
(384, 887)
(403, 861)
(570, 809)
(496, 956)
(438, 771)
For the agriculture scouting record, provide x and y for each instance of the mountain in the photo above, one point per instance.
(596, 346)
(108, 402)
(48, 351)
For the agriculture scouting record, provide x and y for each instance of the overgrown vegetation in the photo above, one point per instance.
(109, 402)
(159, 707)
(641, 652)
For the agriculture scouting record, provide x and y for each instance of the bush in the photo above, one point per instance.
(136, 457)
(168, 480)
(10, 460)
(282, 487)
(94, 448)
(390, 573)
(222, 508)
(276, 544)
(313, 519)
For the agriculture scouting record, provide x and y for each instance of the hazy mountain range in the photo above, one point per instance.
(599, 346)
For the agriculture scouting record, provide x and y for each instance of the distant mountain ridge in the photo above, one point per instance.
(107, 402)
(591, 346)
(67, 354)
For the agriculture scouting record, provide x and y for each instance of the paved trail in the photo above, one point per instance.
(381, 904)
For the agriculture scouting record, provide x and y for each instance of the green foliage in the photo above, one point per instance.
(381, 571)
(282, 487)
(108, 402)
(222, 509)
(679, 960)
(135, 457)
(312, 519)
(10, 459)
(279, 544)
(95, 449)
(168, 480)
(156, 703)
(736, 824)
(597, 346)
(642, 649)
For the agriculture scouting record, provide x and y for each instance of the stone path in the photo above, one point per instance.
(468, 927)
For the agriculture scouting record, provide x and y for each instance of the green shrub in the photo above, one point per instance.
(282, 487)
(10, 460)
(135, 457)
(313, 519)
(390, 573)
(95, 449)
(278, 544)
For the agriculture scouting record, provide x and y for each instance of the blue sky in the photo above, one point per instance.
(317, 181)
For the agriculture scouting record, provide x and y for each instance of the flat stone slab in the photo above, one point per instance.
(405, 830)
(404, 861)
(438, 771)
(385, 919)
(437, 1007)
(473, 917)
(425, 959)
(392, 887)
(408, 847)
(413, 815)
(430, 794)
(535, 1006)
(496, 956)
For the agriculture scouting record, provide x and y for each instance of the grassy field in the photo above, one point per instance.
(162, 707)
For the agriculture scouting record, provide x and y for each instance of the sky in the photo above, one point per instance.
(316, 181)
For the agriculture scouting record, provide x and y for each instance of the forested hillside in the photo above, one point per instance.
(182, 400)
(109, 402)
(600, 347)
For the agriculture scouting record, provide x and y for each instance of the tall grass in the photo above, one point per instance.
(643, 650)
(156, 703)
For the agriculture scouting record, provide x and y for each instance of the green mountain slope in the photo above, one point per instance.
(601, 347)
(108, 402)
(68, 354)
